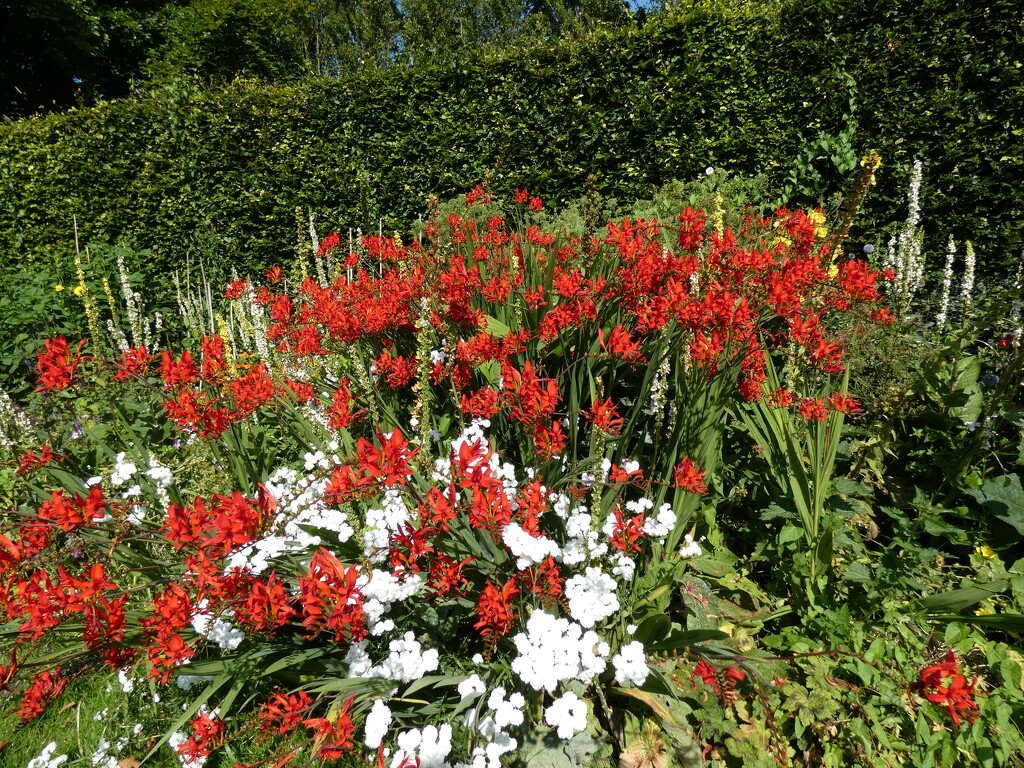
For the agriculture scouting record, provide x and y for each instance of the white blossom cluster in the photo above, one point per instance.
(591, 596)
(554, 649)
(383, 523)
(630, 664)
(567, 715)
(380, 590)
(217, 630)
(46, 758)
(406, 660)
(527, 549)
(428, 747)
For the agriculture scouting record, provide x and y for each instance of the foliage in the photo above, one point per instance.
(219, 173)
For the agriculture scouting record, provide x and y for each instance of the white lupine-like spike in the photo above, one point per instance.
(947, 283)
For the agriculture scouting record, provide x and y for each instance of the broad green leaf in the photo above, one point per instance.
(962, 598)
(1004, 498)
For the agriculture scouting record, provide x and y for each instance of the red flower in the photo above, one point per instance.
(536, 204)
(275, 275)
(333, 734)
(813, 409)
(943, 684)
(722, 681)
(134, 362)
(689, 477)
(57, 364)
(30, 462)
(495, 610)
(283, 712)
(207, 735)
(45, 687)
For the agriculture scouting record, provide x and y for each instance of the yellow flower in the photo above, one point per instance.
(816, 217)
(821, 232)
(985, 551)
(58, 288)
(79, 290)
(984, 610)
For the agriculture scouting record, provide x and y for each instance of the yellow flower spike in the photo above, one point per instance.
(79, 290)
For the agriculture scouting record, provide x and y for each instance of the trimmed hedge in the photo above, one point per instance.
(797, 94)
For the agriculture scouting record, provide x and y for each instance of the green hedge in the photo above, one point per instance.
(797, 94)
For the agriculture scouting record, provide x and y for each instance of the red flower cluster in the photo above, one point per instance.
(944, 684)
(57, 364)
(722, 680)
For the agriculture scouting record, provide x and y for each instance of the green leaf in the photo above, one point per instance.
(962, 598)
(1003, 497)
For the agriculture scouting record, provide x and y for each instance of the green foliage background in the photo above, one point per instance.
(796, 91)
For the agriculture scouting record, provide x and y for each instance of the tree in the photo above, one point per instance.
(56, 53)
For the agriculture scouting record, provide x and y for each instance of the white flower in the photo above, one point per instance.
(554, 649)
(407, 661)
(528, 550)
(471, 685)
(659, 526)
(709, 170)
(431, 746)
(631, 664)
(45, 759)
(690, 547)
(377, 724)
(591, 596)
(506, 712)
(127, 683)
(567, 714)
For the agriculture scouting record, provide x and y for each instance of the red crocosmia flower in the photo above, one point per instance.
(333, 733)
(536, 204)
(446, 574)
(283, 712)
(207, 735)
(521, 196)
(627, 534)
(483, 402)
(495, 611)
(275, 275)
(252, 391)
(813, 409)
(168, 652)
(328, 244)
(73, 513)
(30, 462)
(214, 357)
(390, 462)
(691, 229)
(340, 414)
(944, 684)
(331, 600)
(550, 441)
(620, 344)
(842, 402)
(689, 477)
(605, 417)
(57, 364)
(545, 581)
(236, 289)
(134, 362)
(7, 672)
(178, 372)
(45, 687)
(722, 681)
(781, 398)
